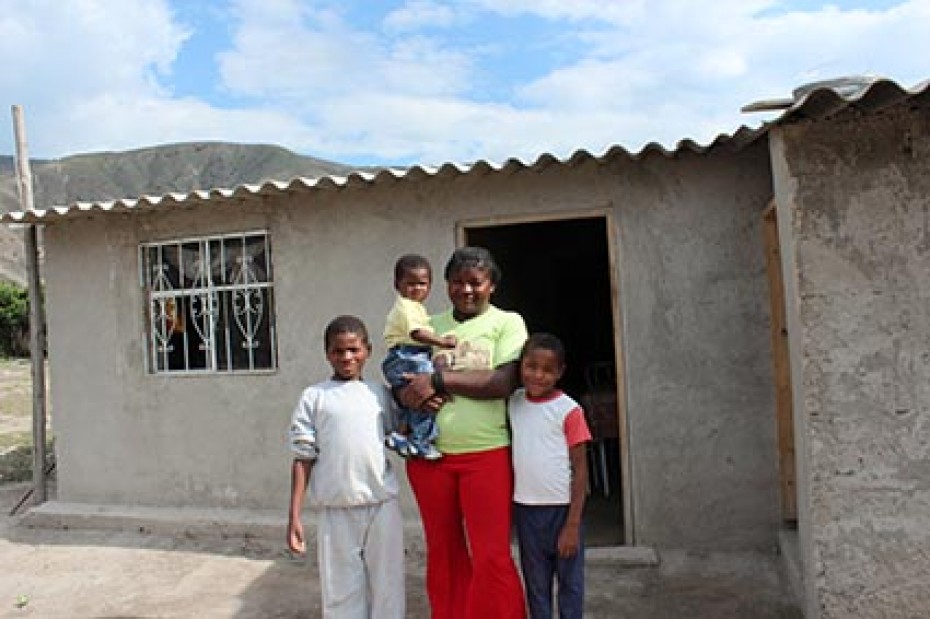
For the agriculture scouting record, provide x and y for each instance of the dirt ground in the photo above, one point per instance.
(15, 394)
(78, 573)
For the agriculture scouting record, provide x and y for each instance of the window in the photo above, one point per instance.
(210, 304)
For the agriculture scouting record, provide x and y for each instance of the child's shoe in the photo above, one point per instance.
(430, 452)
(398, 443)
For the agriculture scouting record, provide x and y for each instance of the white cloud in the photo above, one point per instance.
(67, 53)
(690, 69)
(409, 84)
(616, 11)
(124, 123)
(417, 14)
(88, 46)
(315, 58)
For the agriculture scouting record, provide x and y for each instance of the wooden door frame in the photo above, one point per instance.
(605, 213)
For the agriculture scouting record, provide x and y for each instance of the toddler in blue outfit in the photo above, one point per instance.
(410, 340)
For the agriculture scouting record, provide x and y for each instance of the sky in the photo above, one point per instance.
(378, 82)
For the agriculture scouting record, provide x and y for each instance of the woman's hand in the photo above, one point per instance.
(419, 394)
(420, 391)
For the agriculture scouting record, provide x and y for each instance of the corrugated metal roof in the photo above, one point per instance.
(824, 99)
(816, 101)
(738, 140)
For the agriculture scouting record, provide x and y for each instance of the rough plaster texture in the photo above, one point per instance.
(854, 194)
(693, 303)
(697, 351)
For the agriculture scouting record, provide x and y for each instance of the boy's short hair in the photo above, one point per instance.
(408, 262)
(544, 341)
(344, 324)
(473, 257)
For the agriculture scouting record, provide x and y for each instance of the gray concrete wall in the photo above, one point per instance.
(692, 299)
(699, 371)
(854, 200)
(125, 436)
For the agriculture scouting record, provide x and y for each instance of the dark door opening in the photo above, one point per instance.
(557, 275)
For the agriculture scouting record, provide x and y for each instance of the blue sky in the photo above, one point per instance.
(429, 81)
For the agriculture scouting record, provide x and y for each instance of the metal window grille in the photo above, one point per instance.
(210, 304)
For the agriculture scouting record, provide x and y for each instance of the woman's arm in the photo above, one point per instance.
(428, 391)
(478, 384)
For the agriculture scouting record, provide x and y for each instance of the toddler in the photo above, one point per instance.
(410, 340)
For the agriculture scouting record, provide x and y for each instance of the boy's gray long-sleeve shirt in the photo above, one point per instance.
(341, 426)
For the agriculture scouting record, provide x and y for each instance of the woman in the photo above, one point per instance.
(465, 496)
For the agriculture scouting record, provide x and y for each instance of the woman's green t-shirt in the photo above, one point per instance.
(486, 341)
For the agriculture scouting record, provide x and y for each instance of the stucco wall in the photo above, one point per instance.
(125, 436)
(699, 373)
(692, 300)
(854, 201)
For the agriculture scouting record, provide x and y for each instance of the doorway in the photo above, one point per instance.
(557, 274)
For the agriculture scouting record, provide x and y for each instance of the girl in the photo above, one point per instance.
(551, 478)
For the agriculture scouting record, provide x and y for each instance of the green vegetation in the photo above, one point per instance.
(14, 319)
(16, 462)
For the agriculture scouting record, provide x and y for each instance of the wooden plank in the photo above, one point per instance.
(36, 313)
(626, 477)
(781, 365)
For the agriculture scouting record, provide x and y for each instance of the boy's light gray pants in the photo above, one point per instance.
(360, 551)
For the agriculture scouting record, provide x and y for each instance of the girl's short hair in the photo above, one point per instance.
(544, 341)
(473, 257)
(408, 262)
(344, 324)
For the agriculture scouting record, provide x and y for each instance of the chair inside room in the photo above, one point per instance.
(599, 402)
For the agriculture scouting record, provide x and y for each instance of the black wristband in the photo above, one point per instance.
(438, 383)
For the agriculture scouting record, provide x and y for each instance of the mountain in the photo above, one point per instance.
(157, 170)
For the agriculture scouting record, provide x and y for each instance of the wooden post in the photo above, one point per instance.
(784, 416)
(36, 312)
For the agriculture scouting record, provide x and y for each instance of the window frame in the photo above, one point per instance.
(222, 314)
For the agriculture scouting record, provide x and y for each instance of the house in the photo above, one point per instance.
(852, 209)
(755, 311)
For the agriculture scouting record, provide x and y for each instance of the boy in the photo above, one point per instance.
(336, 436)
(550, 480)
(410, 338)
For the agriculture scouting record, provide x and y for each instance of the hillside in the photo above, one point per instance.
(148, 171)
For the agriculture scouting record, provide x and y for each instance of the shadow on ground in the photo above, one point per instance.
(106, 573)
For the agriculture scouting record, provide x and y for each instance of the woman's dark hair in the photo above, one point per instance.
(408, 262)
(473, 257)
(344, 324)
(544, 341)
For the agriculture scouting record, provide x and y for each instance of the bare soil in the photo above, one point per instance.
(15, 395)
